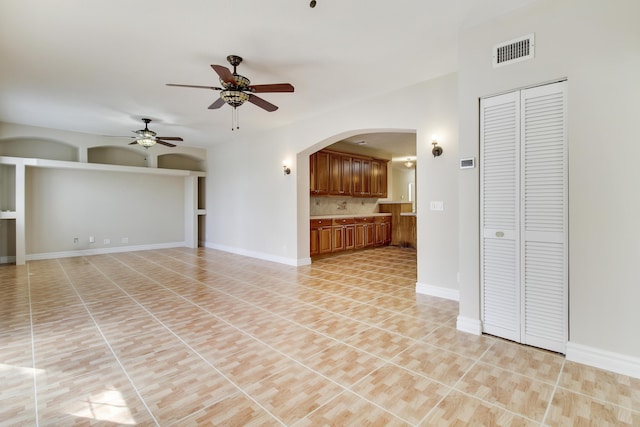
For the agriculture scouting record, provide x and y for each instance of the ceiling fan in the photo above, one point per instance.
(237, 89)
(147, 138)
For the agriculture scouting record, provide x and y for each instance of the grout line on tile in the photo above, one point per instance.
(33, 349)
(553, 393)
(115, 356)
(271, 347)
(240, 389)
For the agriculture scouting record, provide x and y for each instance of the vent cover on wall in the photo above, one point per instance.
(515, 50)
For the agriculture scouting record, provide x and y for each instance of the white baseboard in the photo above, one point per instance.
(469, 325)
(7, 260)
(259, 255)
(102, 251)
(603, 359)
(438, 291)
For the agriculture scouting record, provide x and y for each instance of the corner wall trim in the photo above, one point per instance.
(259, 255)
(102, 251)
(469, 325)
(438, 291)
(603, 359)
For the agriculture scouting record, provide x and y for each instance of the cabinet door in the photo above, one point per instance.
(378, 234)
(359, 236)
(365, 178)
(321, 173)
(356, 176)
(375, 178)
(315, 249)
(369, 235)
(345, 175)
(324, 240)
(349, 237)
(313, 165)
(335, 176)
(383, 179)
(337, 242)
(386, 227)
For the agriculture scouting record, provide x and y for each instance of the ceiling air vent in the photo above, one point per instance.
(515, 50)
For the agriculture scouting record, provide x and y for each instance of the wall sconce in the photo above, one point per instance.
(436, 150)
(287, 169)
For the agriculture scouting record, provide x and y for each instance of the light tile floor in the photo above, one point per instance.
(200, 337)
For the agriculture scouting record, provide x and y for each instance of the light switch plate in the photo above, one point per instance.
(437, 205)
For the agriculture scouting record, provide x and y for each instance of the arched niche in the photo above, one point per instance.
(180, 161)
(112, 155)
(38, 148)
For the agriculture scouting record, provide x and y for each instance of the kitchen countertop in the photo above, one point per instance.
(348, 216)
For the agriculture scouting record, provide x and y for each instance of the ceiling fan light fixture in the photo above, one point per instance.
(147, 141)
(235, 98)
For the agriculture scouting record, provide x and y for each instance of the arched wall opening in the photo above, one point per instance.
(40, 148)
(303, 184)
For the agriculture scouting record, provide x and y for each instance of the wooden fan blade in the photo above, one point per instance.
(170, 138)
(133, 143)
(217, 104)
(276, 87)
(262, 103)
(225, 74)
(168, 144)
(195, 86)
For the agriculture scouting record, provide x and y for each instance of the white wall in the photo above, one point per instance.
(62, 204)
(596, 45)
(74, 199)
(252, 208)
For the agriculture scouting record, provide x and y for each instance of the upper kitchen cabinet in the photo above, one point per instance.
(319, 173)
(339, 174)
(343, 174)
(379, 178)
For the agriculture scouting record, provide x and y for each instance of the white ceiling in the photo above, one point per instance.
(99, 66)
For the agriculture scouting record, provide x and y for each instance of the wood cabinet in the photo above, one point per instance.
(339, 174)
(343, 234)
(382, 230)
(321, 236)
(343, 174)
(361, 177)
(319, 173)
(364, 232)
(378, 178)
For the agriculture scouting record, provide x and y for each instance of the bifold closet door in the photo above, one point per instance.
(523, 161)
(544, 223)
(499, 214)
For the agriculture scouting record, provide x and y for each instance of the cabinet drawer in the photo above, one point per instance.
(364, 219)
(317, 223)
(343, 221)
(381, 219)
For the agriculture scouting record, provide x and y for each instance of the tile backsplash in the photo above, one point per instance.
(342, 206)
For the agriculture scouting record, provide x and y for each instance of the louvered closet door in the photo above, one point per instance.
(544, 257)
(523, 148)
(500, 212)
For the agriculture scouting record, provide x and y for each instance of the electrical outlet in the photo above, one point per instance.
(75, 240)
(125, 240)
(107, 241)
(92, 239)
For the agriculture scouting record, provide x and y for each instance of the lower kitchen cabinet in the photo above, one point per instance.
(321, 236)
(343, 234)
